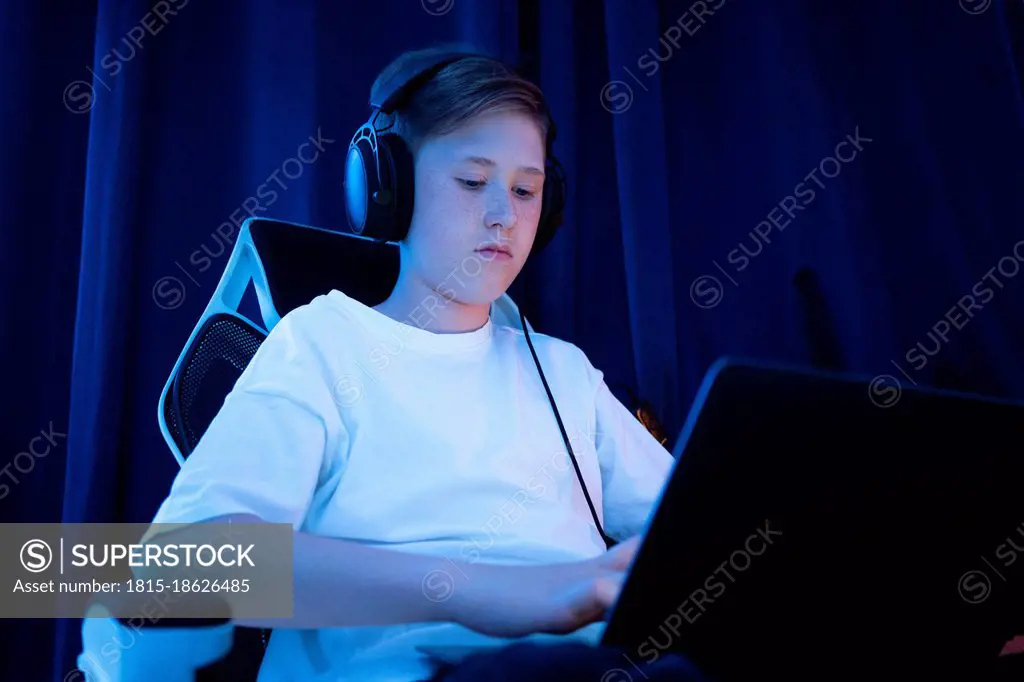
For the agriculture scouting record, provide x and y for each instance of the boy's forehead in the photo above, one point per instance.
(486, 137)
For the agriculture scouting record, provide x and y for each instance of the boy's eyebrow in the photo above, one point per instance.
(484, 161)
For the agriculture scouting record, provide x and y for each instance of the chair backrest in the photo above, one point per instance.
(301, 263)
(288, 265)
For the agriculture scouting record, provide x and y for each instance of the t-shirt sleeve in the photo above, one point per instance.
(266, 449)
(634, 466)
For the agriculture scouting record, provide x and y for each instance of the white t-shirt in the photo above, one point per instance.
(351, 425)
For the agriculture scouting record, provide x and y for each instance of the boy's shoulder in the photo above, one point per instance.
(309, 339)
(320, 320)
(549, 348)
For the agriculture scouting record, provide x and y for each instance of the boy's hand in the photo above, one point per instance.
(515, 601)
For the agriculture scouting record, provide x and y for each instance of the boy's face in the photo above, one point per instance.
(478, 187)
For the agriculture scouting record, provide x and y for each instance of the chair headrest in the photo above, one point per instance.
(303, 262)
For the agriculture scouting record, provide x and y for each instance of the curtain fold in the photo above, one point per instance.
(102, 338)
(640, 152)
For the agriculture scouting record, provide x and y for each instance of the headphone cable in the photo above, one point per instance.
(609, 542)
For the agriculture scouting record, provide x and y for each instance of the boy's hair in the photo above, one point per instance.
(457, 93)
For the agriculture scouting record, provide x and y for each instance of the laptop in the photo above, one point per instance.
(826, 527)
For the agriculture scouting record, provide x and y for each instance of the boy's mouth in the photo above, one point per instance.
(495, 252)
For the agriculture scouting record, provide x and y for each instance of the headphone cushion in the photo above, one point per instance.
(553, 207)
(398, 173)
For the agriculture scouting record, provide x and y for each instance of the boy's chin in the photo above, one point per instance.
(483, 296)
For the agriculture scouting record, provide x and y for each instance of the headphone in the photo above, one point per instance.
(379, 166)
(379, 194)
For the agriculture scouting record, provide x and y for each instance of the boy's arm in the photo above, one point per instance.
(634, 465)
(337, 583)
(261, 460)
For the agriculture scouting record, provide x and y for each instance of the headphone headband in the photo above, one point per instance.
(397, 88)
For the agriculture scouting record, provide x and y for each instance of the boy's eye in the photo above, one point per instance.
(521, 192)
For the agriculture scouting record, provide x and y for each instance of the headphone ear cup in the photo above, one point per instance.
(397, 190)
(553, 208)
(378, 185)
(361, 181)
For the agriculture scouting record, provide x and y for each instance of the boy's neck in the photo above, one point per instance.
(415, 303)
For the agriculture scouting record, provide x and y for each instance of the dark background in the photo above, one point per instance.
(111, 184)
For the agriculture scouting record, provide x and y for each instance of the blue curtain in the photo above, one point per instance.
(830, 184)
(813, 183)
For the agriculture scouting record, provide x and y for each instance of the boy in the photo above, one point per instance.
(412, 445)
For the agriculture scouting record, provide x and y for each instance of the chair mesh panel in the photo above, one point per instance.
(223, 349)
(173, 424)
